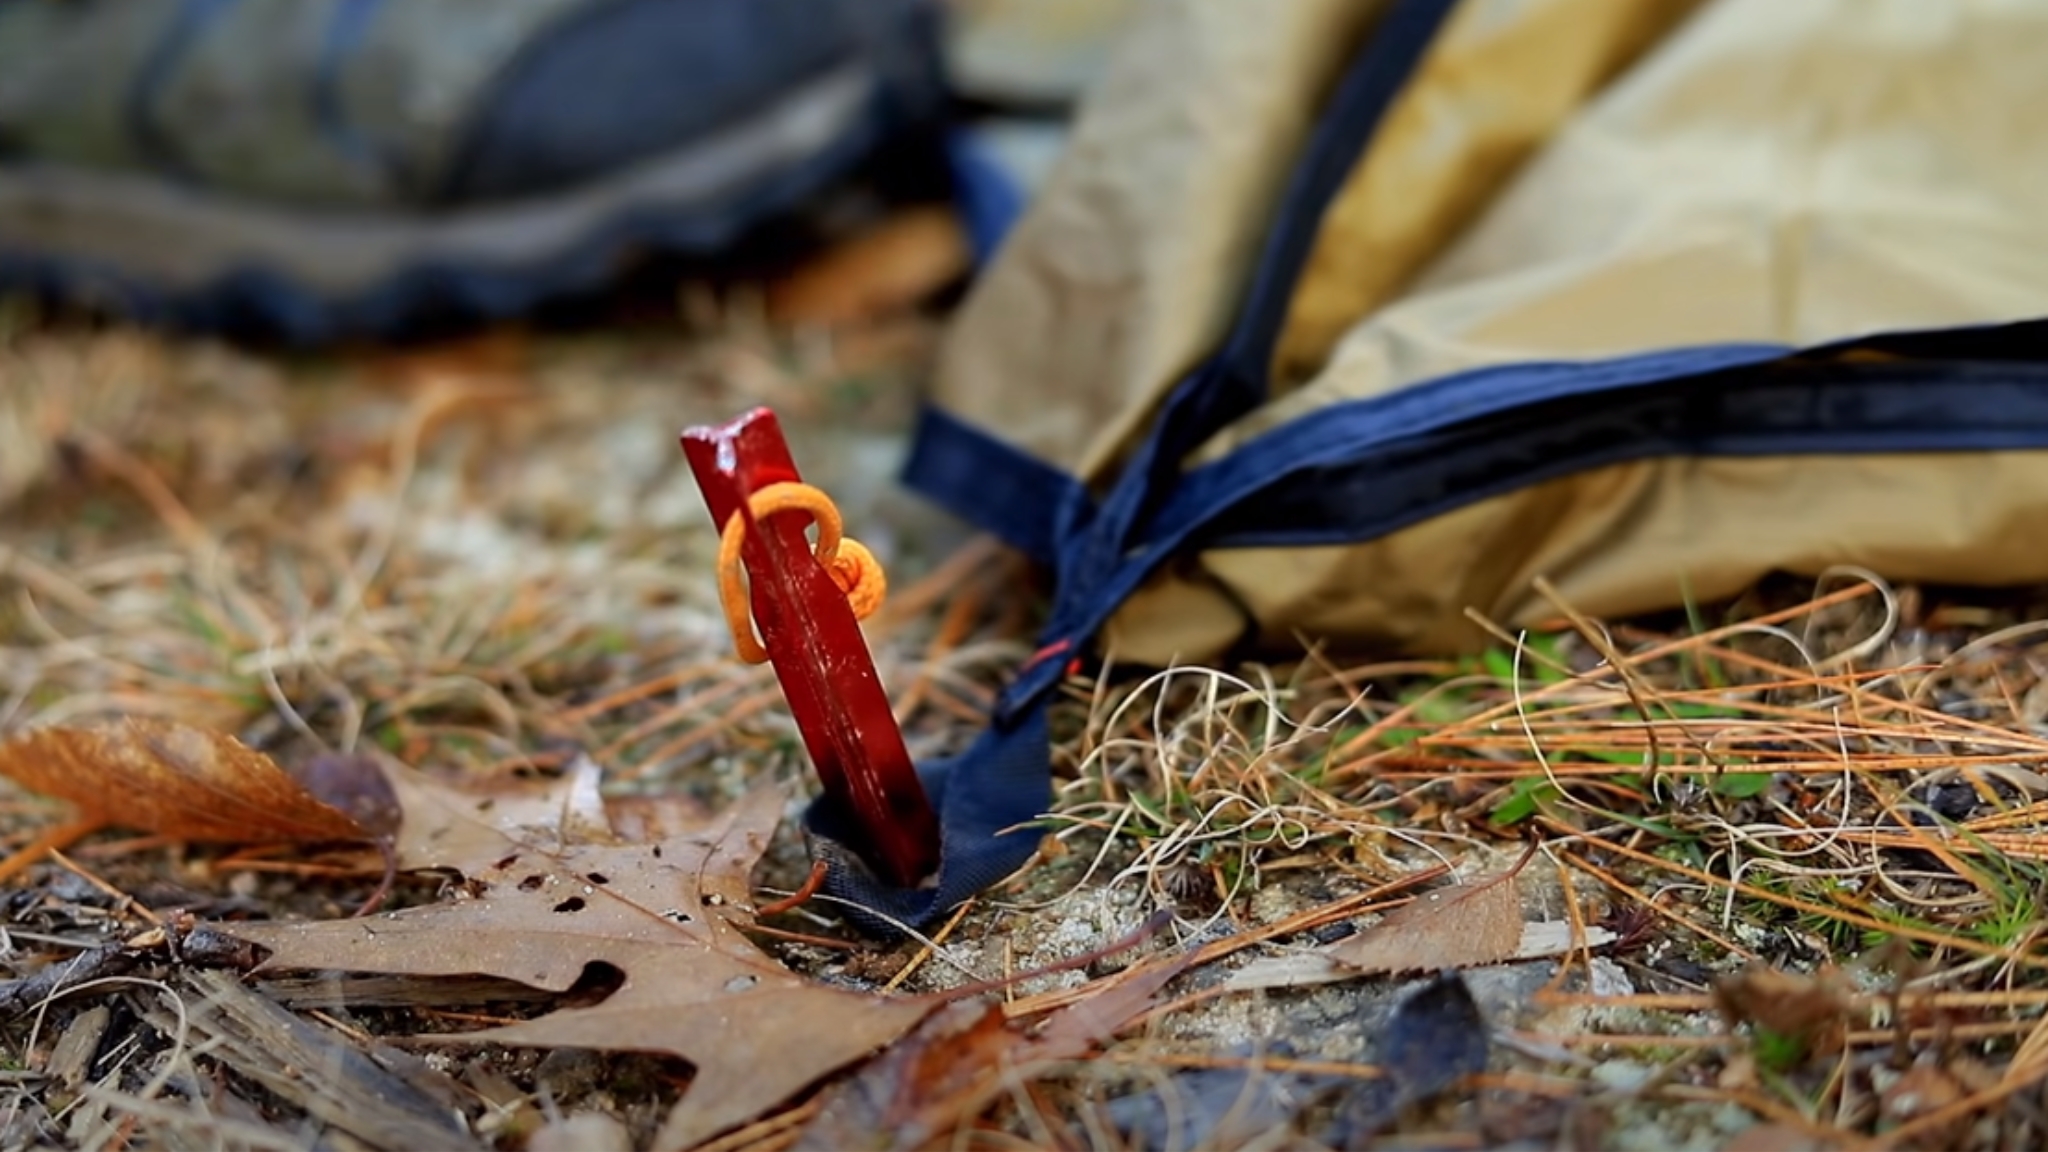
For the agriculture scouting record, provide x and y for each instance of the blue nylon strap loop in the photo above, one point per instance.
(1349, 122)
(1085, 543)
(984, 480)
(987, 798)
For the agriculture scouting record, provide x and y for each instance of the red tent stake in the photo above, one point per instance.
(819, 654)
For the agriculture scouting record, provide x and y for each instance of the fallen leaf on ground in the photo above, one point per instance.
(172, 779)
(1455, 927)
(1115, 1002)
(1811, 1009)
(903, 1091)
(465, 826)
(1540, 940)
(1435, 1037)
(668, 917)
(643, 819)
(960, 1058)
(356, 785)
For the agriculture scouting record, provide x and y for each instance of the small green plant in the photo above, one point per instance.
(2008, 925)
(1542, 659)
(2016, 904)
(1778, 1051)
(1738, 785)
(1526, 797)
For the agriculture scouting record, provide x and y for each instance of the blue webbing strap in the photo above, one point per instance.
(988, 798)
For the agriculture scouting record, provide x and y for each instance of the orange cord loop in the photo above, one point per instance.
(854, 569)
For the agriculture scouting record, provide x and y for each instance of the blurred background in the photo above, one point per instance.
(246, 243)
(343, 346)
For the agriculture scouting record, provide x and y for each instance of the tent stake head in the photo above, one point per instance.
(815, 644)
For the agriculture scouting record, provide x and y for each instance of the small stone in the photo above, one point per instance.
(1623, 1075)
(583, 1132)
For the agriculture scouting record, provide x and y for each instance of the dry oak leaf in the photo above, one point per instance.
(1462, 926)
(665, 915)
(1541, 940)
(967, 1054)
(172, 779)
(1456, 927)
(355, 784)
(469, 825)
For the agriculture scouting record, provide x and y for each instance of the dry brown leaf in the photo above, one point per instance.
(1112, 1005)
(1541, 940)
(668, 917)
(966, 1054)
(644, 819)
(467, 826)
(1456, 927)
(175, 780)
(932, 1074)
(1813, 1009)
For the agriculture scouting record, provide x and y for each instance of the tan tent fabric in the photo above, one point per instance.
(1776, 172)
(1755, 171)
(1497, 82)
(1129, 265)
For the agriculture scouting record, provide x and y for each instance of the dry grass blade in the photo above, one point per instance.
(1784, 788)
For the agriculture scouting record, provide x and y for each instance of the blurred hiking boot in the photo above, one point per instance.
(325, 168)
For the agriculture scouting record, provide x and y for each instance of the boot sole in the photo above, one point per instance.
(154, 249)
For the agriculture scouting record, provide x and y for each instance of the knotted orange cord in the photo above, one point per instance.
(852, 566)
